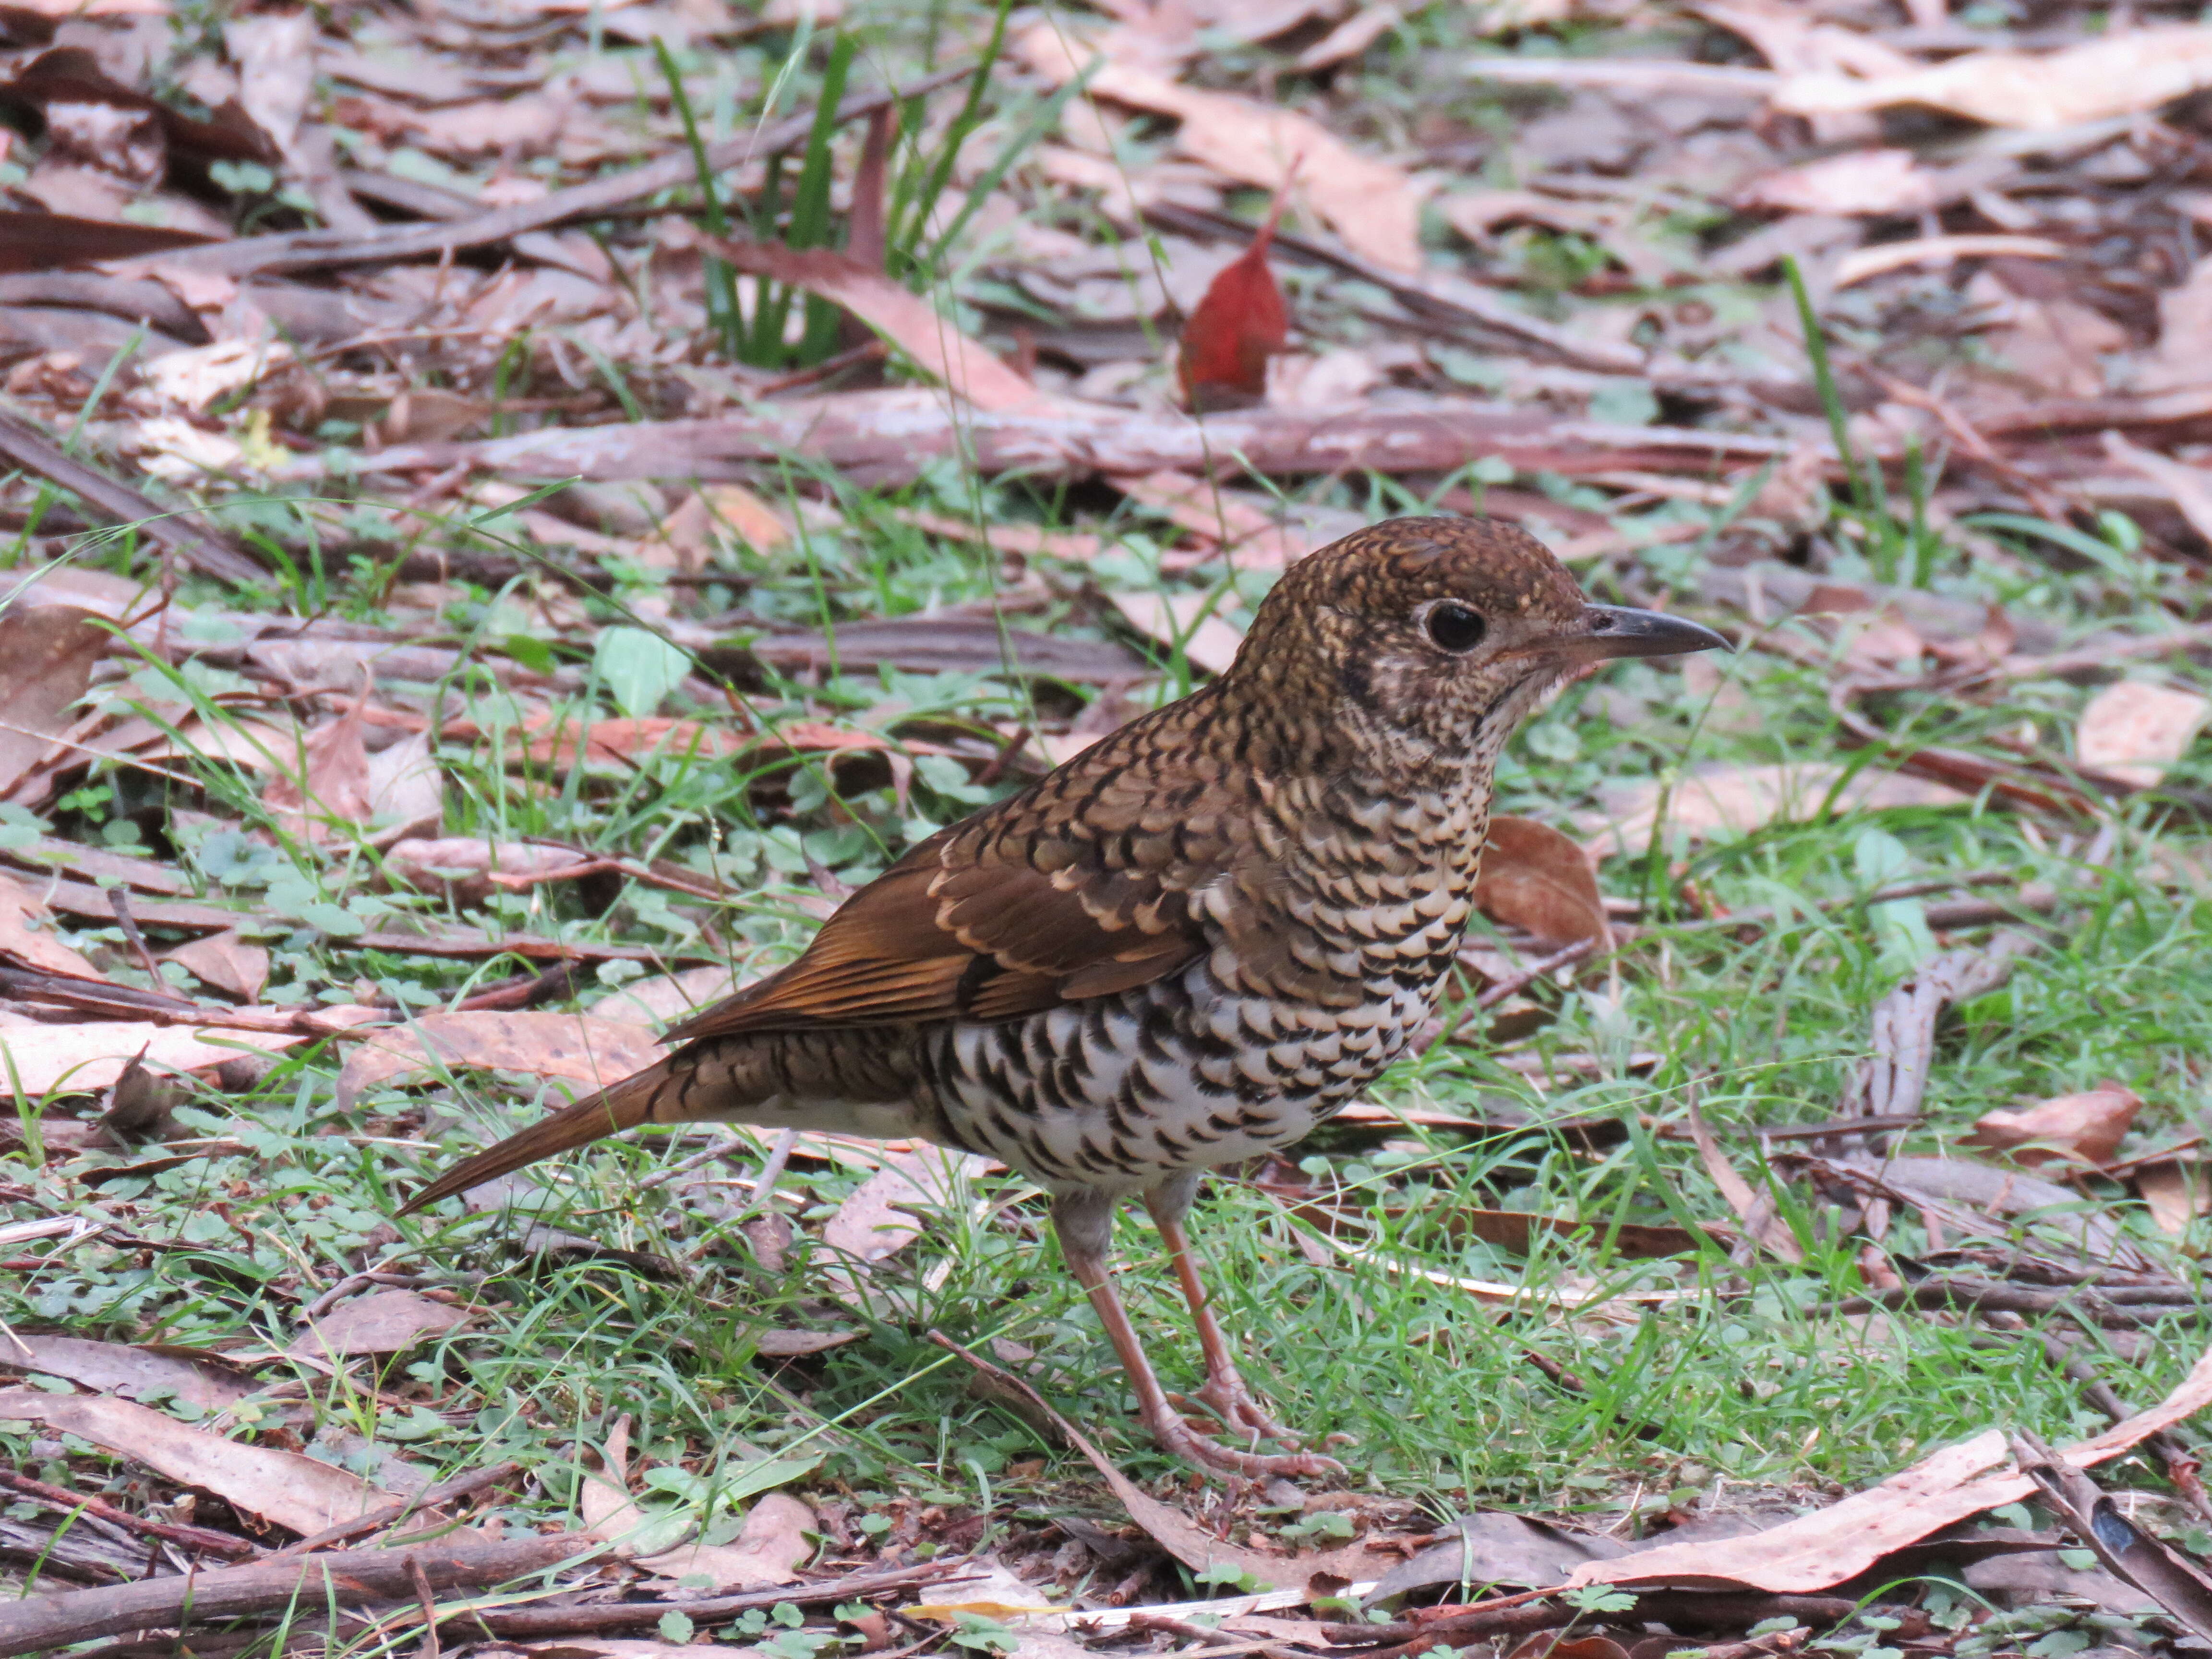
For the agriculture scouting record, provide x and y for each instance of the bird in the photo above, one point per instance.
(1180, 950)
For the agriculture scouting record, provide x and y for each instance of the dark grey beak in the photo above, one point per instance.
(1614, 630)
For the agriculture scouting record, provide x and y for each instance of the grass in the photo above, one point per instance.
(1725, 1383)
(1701, 1377)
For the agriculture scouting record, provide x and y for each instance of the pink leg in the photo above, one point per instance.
(1084, 1224)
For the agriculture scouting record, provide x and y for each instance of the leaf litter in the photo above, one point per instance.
(426, 430)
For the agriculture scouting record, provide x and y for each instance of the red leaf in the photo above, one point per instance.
(1239, 325)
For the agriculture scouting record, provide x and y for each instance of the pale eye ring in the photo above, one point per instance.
(1455, 628)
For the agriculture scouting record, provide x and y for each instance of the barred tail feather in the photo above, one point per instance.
(620, 1106)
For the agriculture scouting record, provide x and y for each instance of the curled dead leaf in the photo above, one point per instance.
(1536, 879)
(2083, 1128)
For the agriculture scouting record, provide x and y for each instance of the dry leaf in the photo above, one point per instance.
(692, 530)
(1859, 182)
(907, 319)
(226, 961)
(1735, 800)
(1208, 640)
(301, 1494)
(85, 1057)
(2119, 74)
(385, 1321)
(578, 1047)
(462, 866)
(36, 946)
(878, 1216)
(665, 999)
(1882, 257)
(1534, 879)
(2087, 1127)
(768, 1549)
(1238, 323)
(1372, 205)
(323, 789)
(2135, 730)
(198, 377)
(2189, 487)
(115, 1367)
(2175, 1194)
(1839, 1542)
(46, 656)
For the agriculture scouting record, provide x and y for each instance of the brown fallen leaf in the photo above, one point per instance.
(715, 509)
(907, 319)
(287, 1489)
(461, 866)
(1755, 1211)
(1863, 182)
(2135, 730)
(1862, 263)
(226, 961)
(1846, 1538)
(2083, 1128)
(323, 788)
(878, 1218)
(2175, 1193)
(1534, 879)
(47, 653)
(575, 1047)
(1237, 519)
(35, 946)
(1735, 800)
(2118, 74)
(80, 1058)
(386, 1321)
(116, 1368)
(1373, 206)
(1207, 639)
(768, 1549)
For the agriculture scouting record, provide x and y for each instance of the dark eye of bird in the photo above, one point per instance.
(1455, 628)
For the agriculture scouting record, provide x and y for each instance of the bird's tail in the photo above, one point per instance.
(620, 1106)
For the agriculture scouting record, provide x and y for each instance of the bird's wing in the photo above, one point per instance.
(1020, 909)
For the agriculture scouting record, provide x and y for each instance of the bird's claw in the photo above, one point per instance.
(1233, 1405)
(1230, 1404)
(1179, 1438)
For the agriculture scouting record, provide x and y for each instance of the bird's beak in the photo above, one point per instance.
(1604, 631)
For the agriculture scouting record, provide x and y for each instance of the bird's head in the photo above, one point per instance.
(1432, 639)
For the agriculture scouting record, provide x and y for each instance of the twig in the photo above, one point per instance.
(1511, 985)
(31, 450)
(118, 900)
(516, 1623)
(126, 1002)
(39, 1624)
(190, 1538)
(387, 1515)
(313, 250)
(346, 1286)
(1981, 1297)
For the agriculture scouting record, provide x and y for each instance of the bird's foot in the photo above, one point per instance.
(1178, 1437)
(1238, 1410)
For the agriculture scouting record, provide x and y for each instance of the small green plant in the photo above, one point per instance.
(1897, 547)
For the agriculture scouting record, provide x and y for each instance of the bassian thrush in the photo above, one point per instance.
(1185, 947)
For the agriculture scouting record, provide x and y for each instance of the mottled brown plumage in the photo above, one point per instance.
(1186, 946)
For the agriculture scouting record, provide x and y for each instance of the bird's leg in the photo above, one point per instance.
(1085, 1222)
(1225, 1393)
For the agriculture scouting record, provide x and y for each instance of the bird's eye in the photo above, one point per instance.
(1455, 628)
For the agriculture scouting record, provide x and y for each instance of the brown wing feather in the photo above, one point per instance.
(1019, 909)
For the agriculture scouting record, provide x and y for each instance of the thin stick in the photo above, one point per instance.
(118, 900)
(376, 1520)
(190, 1538)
